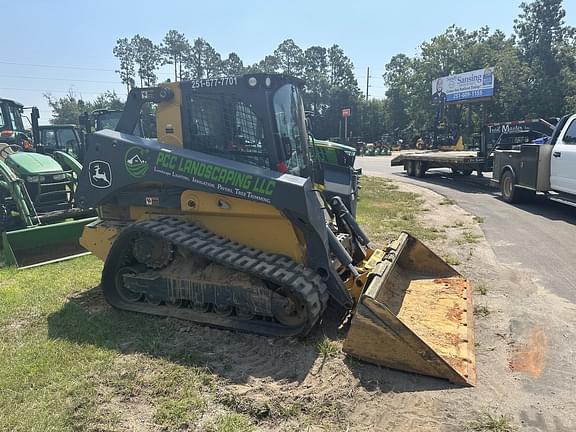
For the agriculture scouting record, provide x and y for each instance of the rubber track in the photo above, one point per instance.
(295, 280)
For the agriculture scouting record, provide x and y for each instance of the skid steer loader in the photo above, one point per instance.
(218, 222)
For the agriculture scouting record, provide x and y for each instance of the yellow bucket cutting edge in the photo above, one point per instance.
(415, 315)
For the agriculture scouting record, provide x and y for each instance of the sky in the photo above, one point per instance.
(62, 45)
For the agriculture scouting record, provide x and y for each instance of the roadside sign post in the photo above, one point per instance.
(346, 113)
(462, 89)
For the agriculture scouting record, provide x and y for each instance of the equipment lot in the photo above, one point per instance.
(71, 362)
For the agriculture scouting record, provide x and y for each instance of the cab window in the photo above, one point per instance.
(226, 126)
(49, 138)
(67, 141)
(291, 129)
(16, 118)
(570, 136)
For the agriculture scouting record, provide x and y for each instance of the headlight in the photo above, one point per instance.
(33, 179)
(59, 177)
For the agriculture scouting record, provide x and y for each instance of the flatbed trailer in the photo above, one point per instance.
(460, 162)
(506, 135)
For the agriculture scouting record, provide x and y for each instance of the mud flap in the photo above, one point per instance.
(415, 315)
(43, 244)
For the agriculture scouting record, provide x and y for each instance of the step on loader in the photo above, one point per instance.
(219, 222)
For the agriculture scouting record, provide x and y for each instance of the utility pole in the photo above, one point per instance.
(367, 82)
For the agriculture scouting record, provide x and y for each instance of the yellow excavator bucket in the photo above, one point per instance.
(415, 315)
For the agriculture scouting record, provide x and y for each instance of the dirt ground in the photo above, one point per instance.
(310, 385)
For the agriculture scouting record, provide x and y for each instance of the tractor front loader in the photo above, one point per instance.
(39, 221)
(219, 222)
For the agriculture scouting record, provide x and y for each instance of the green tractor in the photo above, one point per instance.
(103, 118)
(39, 219)
(66, 138)
(334, 170)
(370, 150)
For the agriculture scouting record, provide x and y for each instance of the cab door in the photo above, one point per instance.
(563, 165)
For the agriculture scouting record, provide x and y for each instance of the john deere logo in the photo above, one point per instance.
(136, 162)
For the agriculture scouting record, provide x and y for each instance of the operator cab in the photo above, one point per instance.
(63, 138)
(257, 119)
(101, 119)
(12, 132)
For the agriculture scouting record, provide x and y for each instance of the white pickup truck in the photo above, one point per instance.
(548, 169)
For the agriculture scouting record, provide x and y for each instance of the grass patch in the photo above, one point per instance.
(468, 237)
(491, 423)
(481, 289)
(384, 212)
(176, 414)
(231, 422)
(327, 348)
(451, 260)
(481, 310)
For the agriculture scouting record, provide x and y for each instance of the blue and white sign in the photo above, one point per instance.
(467, 86)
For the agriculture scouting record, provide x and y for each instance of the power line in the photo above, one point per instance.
(57, 91)
(60, 79)
(69, 67)
(58, 66)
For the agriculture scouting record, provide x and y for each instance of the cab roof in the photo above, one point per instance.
(12, 102)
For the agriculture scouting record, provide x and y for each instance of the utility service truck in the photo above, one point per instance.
(544, 169)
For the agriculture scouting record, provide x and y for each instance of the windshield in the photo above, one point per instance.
(10, 117)
(16, 118)
(108, 120)
(291, 128)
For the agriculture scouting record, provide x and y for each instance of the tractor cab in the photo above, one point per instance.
(61, 137)
(12, 130)
(102, 119)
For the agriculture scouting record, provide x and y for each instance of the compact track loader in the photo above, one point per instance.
(218, 221)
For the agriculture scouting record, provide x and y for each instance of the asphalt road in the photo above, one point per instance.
(538, 237)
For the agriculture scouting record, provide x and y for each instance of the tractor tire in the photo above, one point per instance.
(3, 218)
(420, 169)
(410, 168)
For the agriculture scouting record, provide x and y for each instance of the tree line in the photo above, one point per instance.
(535, 70)
(328, 72)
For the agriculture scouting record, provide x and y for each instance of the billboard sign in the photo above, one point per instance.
(464, 87)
